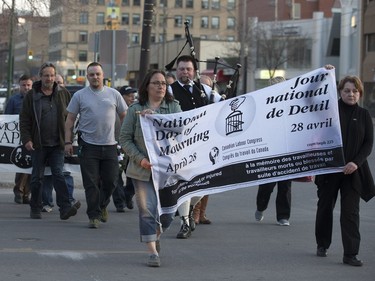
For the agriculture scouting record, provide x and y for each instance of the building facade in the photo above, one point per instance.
(73, 25)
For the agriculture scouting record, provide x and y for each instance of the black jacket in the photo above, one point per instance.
(31, 113)
(358, 136)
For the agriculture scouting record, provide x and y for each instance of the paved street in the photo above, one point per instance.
(234, 247)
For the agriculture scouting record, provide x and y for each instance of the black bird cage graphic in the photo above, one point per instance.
(234, 122)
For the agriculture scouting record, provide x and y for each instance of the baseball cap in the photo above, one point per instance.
(126, 90)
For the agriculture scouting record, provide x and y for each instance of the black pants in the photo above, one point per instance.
(99, 169)
(122, 193)
(349, 214)
(283, 198)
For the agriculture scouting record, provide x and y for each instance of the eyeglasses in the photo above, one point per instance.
(158, 83)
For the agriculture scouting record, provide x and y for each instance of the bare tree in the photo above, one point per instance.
(281, 46)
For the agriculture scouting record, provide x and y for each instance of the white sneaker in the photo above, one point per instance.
(284, 222)
(46, 209)
(258, 215)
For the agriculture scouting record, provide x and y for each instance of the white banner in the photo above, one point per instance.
(13, 155)
(284, 131)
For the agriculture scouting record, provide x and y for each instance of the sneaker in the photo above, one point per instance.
(153, 261)
(72, 211)
(284, 222)
(352, 260)
(321, 252)
(94, 223)
(185, 231)
(35, 214)
(129, 202)
(120, 210)
(259, 215)
(104, 215)
(47, 209)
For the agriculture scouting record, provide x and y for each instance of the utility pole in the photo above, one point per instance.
(243, 51)
(146, 39)
(10, 50)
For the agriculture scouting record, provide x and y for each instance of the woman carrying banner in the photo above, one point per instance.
(153, 98)
(354, 182)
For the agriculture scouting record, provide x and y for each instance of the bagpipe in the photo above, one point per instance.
(231, 87)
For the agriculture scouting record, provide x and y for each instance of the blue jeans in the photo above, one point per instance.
(55, 157)
(47, 197)
(99, 169)
(149, 220)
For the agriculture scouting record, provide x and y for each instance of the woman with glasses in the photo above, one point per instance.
(153, 98)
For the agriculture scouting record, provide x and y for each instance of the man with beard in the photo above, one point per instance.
(42, 121)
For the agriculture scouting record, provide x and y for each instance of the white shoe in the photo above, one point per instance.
(259, 215)
(284, 222)
(47, 209)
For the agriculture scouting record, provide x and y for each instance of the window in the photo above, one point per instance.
(178, 21)
(231, 4)
(178, 4)
(215, 4)
(135, 38)
(190, 20)
(204, 22)
(55, 38)
(100, 2)
(136, 19)
(231, 23)
(163, 3)
(215, 22)
(82, 56)
(204, 4)
(299, 53)
(189, 4)
(100, 17)
(125, 19)
(136, 2)
(84, 2)
(83, 17)
(230, 38)
(370, 42)
(162, 20)
(125, 3)
(83, 36)
(177, 36)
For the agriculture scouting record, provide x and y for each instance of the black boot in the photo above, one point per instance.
(185, 231)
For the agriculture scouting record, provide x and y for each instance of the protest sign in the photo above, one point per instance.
(13, 155)
(284, 131)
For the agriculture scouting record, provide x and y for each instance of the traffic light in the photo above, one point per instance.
(30, 55)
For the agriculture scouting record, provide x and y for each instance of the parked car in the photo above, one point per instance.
(73, 88)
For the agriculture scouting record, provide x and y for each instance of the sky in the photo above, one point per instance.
(23, 4)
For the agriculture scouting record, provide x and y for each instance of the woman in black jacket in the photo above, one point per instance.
(354, 182)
